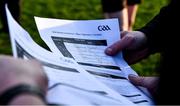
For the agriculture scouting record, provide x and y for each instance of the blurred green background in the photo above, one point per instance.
(81, 10)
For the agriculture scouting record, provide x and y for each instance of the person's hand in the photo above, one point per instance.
(151, 83)
(133, 45)
(17, 71)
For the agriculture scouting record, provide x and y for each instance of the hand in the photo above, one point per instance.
(18, 71)
(151, 83)
(133, 43)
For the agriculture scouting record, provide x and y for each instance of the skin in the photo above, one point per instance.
(17, 71)
(134, 43)
(148, 82)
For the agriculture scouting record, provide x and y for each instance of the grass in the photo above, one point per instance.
(147, 10)
(81, 10)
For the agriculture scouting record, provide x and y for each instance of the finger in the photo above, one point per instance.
(123, 33)
(138, 81)
(125, 42)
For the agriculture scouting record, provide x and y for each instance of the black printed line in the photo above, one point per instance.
(142, 101)
(79, 41)
(101, 66)
(131, 95)
(106, 75)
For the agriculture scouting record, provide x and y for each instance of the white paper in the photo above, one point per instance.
(82, 39)
(68, 82)
(85, 42)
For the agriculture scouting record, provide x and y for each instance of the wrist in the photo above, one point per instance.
(16, 93)
(27, 99)
(12, 82)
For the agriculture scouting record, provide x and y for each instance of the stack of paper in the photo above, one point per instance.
(79, 71)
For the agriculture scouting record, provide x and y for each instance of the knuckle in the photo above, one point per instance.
(130, 37)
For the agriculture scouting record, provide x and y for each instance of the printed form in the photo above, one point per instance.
(69, 84)
(85, 42)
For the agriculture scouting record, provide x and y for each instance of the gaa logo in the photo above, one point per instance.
(103, 28)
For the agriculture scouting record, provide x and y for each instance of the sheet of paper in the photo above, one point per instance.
(85, 42)
(68, 83)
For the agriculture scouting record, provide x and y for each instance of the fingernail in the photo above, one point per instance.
(132, 75)
(109, 50)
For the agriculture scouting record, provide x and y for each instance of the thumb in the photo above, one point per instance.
(118, 46)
